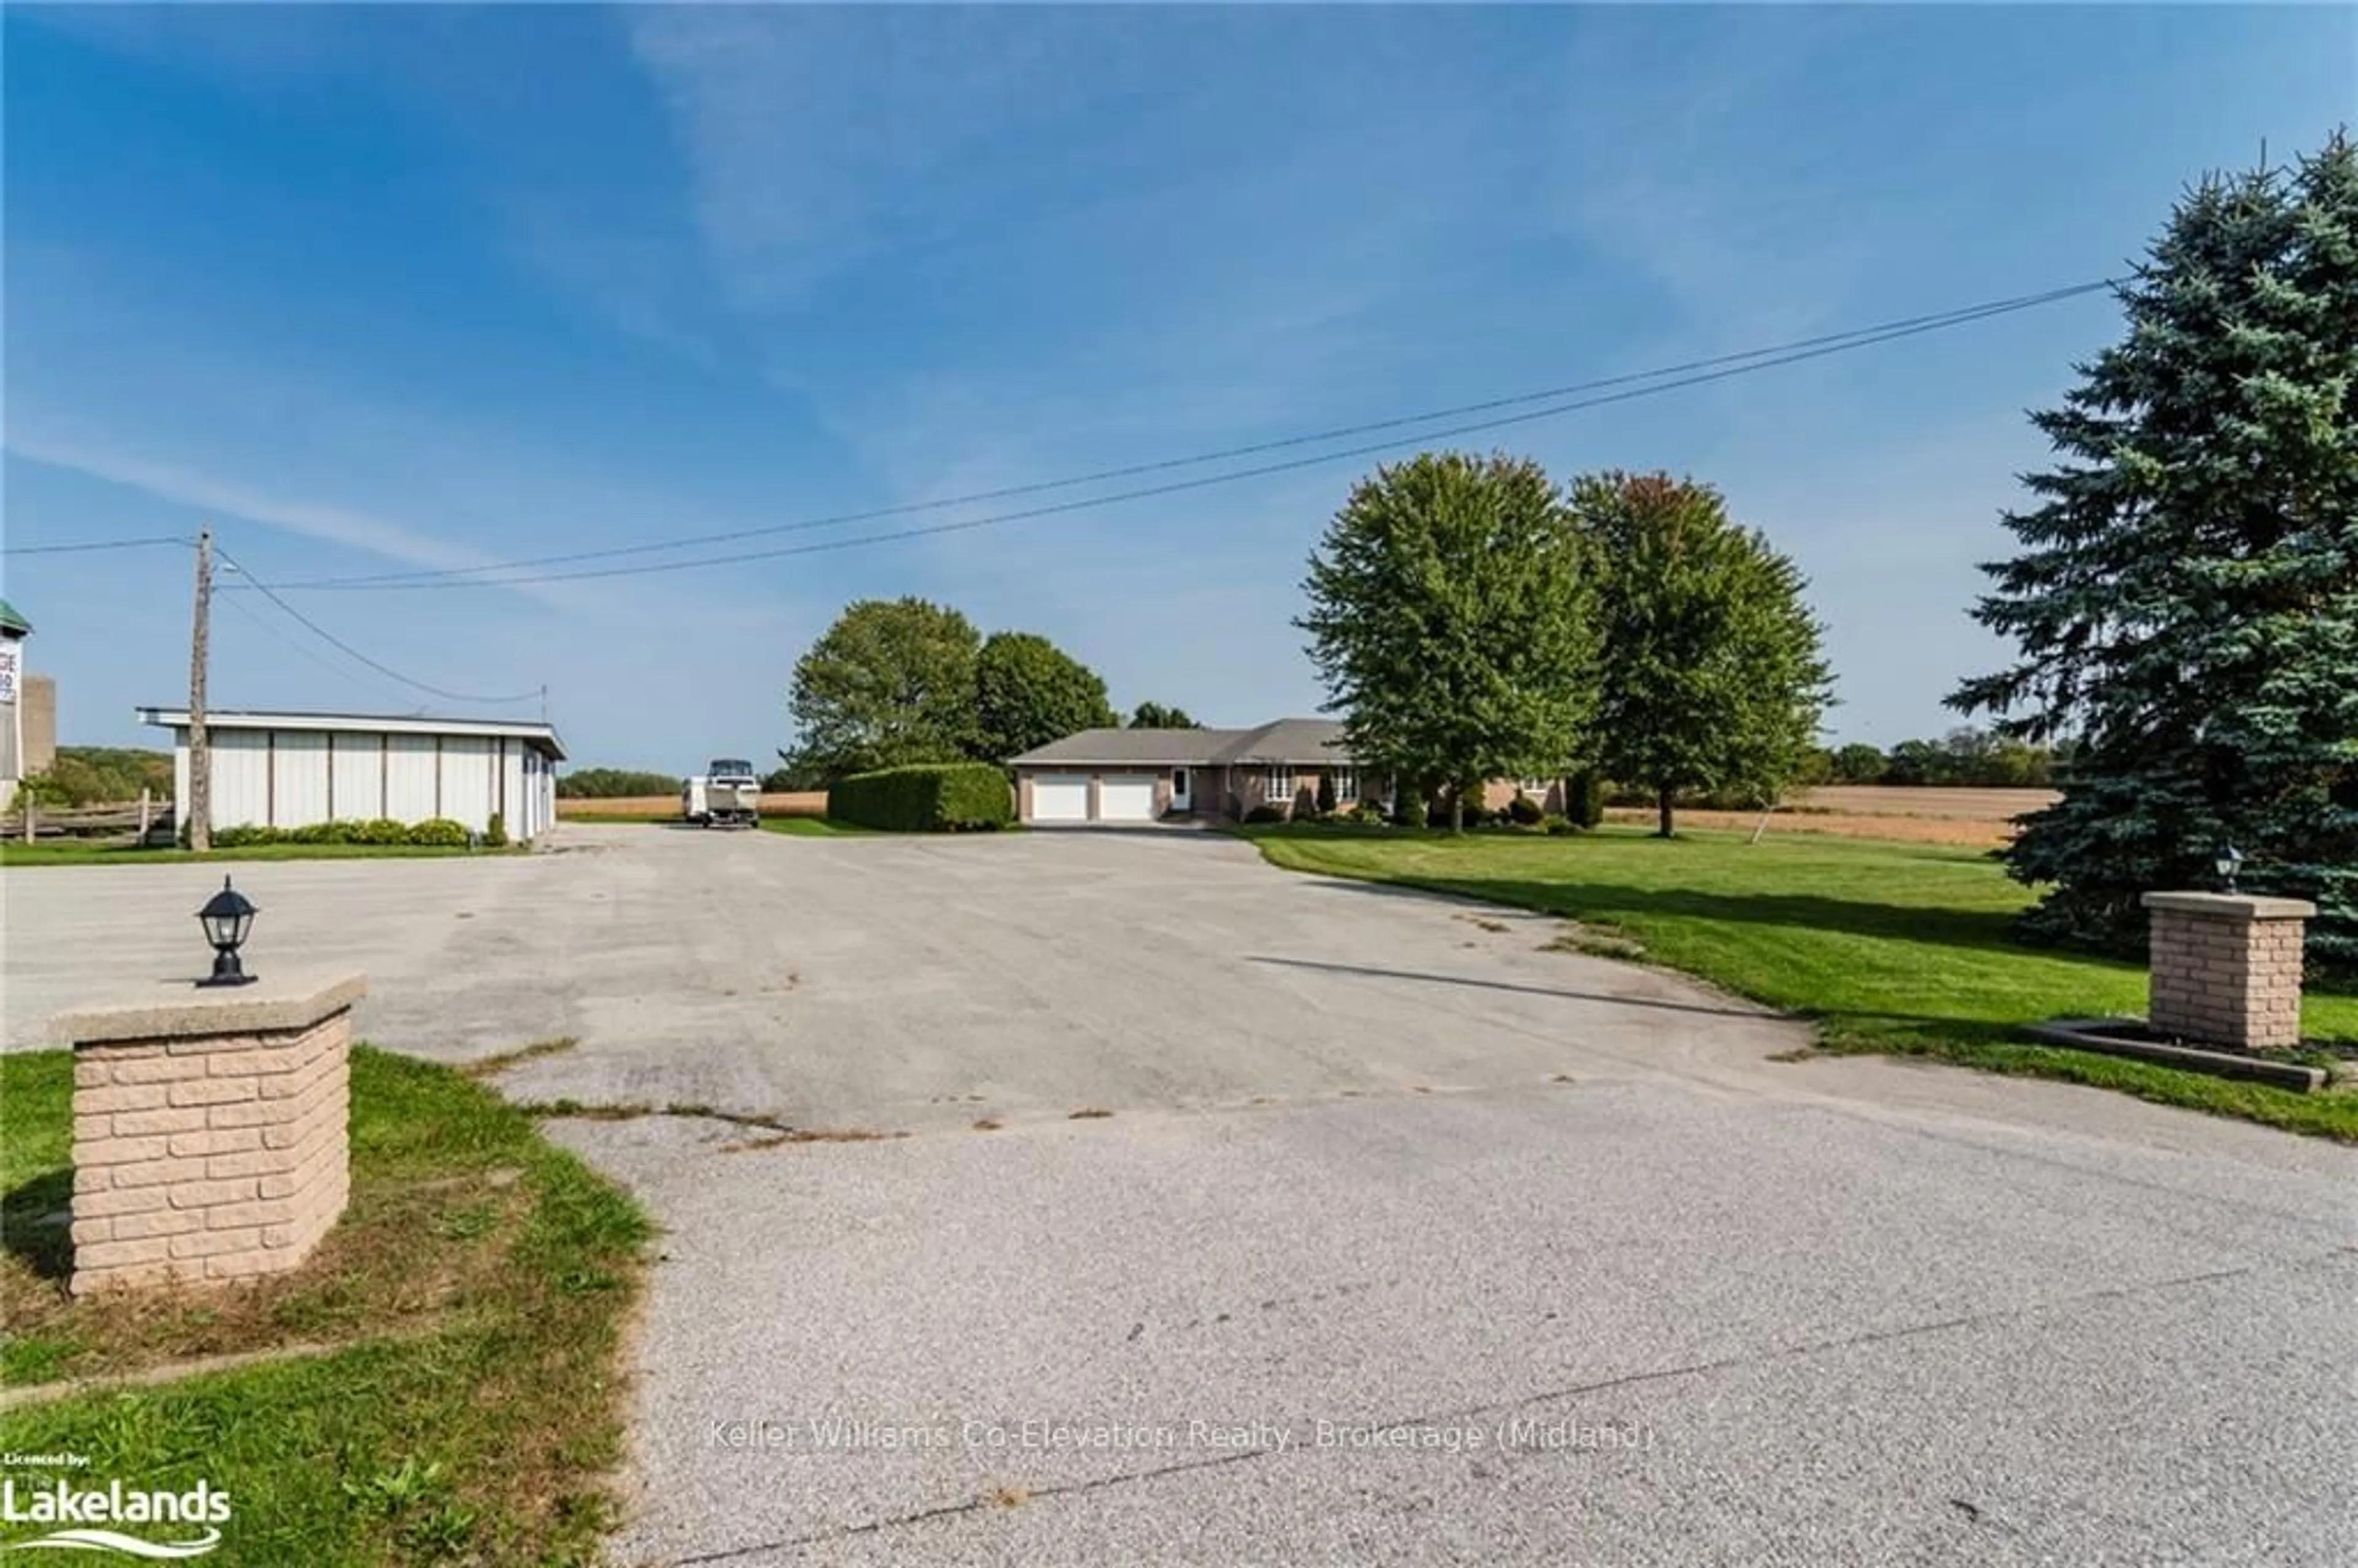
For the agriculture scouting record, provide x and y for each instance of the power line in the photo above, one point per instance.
(333, 640)
(1847, 342)
(276, 635)
(1827, 343)
(99, 545)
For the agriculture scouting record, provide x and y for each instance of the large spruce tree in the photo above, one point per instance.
(2186, 597)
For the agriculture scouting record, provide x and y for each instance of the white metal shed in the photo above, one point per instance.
(290, 770)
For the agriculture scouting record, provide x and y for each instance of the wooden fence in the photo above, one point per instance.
(145, 820)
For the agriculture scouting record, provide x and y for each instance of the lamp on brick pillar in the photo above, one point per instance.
(227, 916)
(2230, 861)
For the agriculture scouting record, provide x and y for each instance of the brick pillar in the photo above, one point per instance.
(211, 1131)
(2227, 967)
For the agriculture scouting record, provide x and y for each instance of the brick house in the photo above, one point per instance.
(1147, 775)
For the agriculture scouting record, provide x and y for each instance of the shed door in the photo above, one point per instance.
(1126, 797)
(1060, 797)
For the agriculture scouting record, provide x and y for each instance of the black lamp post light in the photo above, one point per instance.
(227, 916)
(2229, 860)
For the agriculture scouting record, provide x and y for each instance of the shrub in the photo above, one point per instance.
(1368, 814)
(381, 830)
(1267, 811)
(439, 832)
(1583, 798)
(1326, 793)
(1559, 826)
(496, 832)
(1524, 810)
(314, 833)
(245, 835)
(925, 797)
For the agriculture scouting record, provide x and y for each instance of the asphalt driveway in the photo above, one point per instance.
(1404, 1240)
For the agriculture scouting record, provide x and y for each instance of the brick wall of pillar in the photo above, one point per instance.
(2227, 967)
(208, 1153)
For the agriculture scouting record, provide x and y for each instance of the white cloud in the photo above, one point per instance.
(202, 492)
(815, 135)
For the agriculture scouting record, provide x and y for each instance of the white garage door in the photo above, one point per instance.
(1060, 797)
(1126, 797)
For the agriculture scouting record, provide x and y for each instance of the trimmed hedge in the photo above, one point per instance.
(925, 797)
(1584, 799)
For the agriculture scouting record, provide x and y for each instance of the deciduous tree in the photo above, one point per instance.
(1713, 679)
(1029, 692)
(1451, 617)
(1860, 763)
(892, 682)
(2185, 595)
(1155, 716)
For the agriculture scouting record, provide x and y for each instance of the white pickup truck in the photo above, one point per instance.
(728, 794)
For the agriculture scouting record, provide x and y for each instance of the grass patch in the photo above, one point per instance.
(471, 1303)
(65, 853)
(827, 827)
(817, 828)
(1901, 948)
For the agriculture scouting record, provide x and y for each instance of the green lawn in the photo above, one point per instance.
(57, 852)
(477, 1289)
(1891, 947)
(815, 827)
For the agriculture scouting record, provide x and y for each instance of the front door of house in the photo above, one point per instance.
(1183, 787)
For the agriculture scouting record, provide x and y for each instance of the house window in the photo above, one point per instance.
(1346, 783)
(1535, 786)
(1277, 783)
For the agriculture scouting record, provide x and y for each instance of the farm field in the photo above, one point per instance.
(1971, 819)
(798, 803)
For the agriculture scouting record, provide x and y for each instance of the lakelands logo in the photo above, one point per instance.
(88, 1513)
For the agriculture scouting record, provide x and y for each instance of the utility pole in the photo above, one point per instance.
(200, 752)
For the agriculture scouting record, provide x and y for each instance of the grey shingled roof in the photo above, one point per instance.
(1312, 741)
(1318, 740)
(1194, 747)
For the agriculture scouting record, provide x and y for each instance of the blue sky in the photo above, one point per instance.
(378, 288)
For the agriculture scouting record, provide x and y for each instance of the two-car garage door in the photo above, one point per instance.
(1121, 797)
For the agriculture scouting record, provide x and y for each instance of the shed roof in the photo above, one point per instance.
(11, 623)
(541, 737)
